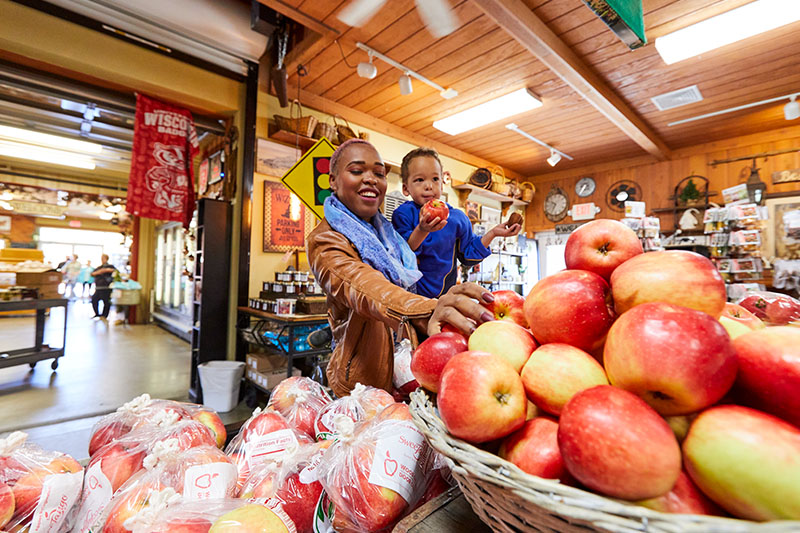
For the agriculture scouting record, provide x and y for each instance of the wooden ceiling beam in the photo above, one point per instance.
(368, 121)
(524, 26)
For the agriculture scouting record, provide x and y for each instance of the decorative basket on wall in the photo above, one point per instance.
(344, 131)
(500, 184)
(528, 190)
(510, 500)
(481, 177)
(302, 125)
(327, 130)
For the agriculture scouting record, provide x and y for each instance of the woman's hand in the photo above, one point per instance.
(459, 308)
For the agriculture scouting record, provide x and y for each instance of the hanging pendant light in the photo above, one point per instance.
(756, 189)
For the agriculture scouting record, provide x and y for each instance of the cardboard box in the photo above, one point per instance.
(266, 371)
(36, 279)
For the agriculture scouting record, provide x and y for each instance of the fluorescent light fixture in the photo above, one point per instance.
(554, 158)
(503, 107)
(791, 110)
(741, 107)
(7, 206)
(7, 196)
(116, 208)
(737, 24)
(53, 141)
(553, 151)
(446, 93)
(45, 155)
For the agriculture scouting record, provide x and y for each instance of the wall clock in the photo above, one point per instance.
(585, 187)
(621, 192)
(556, 204)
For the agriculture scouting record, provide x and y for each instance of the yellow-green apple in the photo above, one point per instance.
(251, 518)
(684, 498)
(534, 449)
(680, 425)
(428, 360)
(677, 359)
(481, 397)
(185, 525)
(505, 339)
(212, 421)
(600, 246)
(556, 372)
(299, 399)
(673, 276)
(28, 489)
(106, 434)
(746, 461)
(119, 460)
(616, 444)
(769, 370)
(6, 504)
(737, 320)
(571, 306)
(507, 305)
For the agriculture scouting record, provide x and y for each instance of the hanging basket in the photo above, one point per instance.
(528, 190)
(481, 177)
(343, 131)
(301, 125)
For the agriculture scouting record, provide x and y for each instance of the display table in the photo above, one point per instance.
(39, 351)
(447, 513)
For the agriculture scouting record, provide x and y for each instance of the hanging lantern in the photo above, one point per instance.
(756, 189)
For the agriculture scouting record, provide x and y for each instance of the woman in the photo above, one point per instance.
(368, 272)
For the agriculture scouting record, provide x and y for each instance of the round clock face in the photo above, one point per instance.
(556, 204)
(585, 187)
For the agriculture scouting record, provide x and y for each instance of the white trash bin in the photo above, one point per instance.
(220, 381)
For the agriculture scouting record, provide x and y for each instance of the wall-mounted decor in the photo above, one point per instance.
(473, 211)
(274, 159)
(5, 224)
(786, 176)
(202, 177)
(620, 192)
(287, 222)
(490, 216)
(216, 167)
(780, 241)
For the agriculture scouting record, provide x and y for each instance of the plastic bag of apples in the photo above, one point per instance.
(772, 308)
(38, 488)
(198, 473)
(299, 400)
(363, 403)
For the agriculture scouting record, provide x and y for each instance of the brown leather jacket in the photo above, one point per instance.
(363, 309)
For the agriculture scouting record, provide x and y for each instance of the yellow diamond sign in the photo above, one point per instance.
(309, 178)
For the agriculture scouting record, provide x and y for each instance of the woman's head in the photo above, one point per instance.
(421, 172)
(358, 177)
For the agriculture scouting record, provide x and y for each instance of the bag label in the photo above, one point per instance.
(310, 473)
(210, 481)
(96, 495)
(269, 447)
(399, 459)
(59, 494)
(323, 515)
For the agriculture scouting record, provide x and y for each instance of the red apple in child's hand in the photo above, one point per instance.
(616, 444)
(434, 209)
(430, 357)
(534, 449)
(600, 246)
(508, 305)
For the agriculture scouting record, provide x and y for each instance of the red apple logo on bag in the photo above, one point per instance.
(389, 465)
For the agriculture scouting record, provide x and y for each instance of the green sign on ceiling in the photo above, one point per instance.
(624, 17)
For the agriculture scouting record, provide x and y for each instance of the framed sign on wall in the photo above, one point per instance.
(287, 222)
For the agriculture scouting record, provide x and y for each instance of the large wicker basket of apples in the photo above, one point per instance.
(622, 394)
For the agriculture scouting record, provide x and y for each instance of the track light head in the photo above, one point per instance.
(367, 70)
(791, 110)
(405, 84)
(554, 158)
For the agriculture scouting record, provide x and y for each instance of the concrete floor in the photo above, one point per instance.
(105, 365)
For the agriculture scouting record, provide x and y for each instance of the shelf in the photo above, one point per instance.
(679, 207)
(512, 254)
(293, 139)
(464, 190)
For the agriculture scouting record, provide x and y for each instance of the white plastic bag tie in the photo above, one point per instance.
(136, 405)
(143, 521)
(166, 418)
(9, 444)
(161, 451)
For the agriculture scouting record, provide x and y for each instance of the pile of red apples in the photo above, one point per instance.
(628, 374)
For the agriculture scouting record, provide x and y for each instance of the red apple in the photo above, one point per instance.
(481, 397)
(684, 498)
(741, 315)
(119, 460)
(189, 433)
(185, 525)
(534, 449)
(571, 307)
(616, 444)
(556, 372)
(434, 209)
(783, 310)
(769, 370)
(28, 489)
(266, 422)
(106, 434)
(756, 304)
(213, 422)
(298, 500)
(746, 461)
(508, 305)
(674, 276)
(676, 359)
(506, 339)
(450, 328)
(6, 504)
(299, 399)
(432, 354)
(600, 246)
(127, 504)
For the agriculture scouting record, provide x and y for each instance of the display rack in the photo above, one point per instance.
(39, 351)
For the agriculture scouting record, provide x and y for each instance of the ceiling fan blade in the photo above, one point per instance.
(438, 17)
(358, 12)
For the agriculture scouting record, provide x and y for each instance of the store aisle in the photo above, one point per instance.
(105, 365)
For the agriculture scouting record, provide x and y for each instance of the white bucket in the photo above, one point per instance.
(220, 381)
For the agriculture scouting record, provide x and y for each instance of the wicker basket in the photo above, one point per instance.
(500, 184)
(326, 130)
(528, 190)
(301, 125)
(509, 500)
(481, 177)
(343, 131)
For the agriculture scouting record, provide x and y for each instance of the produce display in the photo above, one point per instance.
(640, 383)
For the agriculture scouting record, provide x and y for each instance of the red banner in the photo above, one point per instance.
(161, 183)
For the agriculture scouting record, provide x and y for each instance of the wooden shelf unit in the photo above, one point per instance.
(465, 190)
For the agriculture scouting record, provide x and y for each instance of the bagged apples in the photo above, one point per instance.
(214, 516)
(38, 488)
(299, 399)
(772, 308)
(375, 471)
(199, 473)
(363, 404)
(403, 380)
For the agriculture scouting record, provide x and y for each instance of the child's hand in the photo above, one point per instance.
(435, 224)
(501, 230)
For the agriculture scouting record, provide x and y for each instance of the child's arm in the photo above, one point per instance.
(423, 228)
(500, 230)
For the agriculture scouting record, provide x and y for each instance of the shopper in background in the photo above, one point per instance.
(103, 276)
(85, 279)
(369, 274)
(71, 271)
(439, 244)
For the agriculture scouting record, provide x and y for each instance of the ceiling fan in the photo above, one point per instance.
(436, 14)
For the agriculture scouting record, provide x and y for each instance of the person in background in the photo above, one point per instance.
(85, 279)
(103, 276)
(71, 271)
(439, 244)
(369, 273)
(62, 263)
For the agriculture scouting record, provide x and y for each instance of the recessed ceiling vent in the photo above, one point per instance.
(685, 96)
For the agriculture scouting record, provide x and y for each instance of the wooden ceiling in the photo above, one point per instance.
(596, 92)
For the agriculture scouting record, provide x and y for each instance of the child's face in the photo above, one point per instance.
(424, 180)
(360, 182)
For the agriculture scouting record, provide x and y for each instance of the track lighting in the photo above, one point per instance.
(555, 155)
(405, 84)
(791, 110)
(367, 70)
(554, 158)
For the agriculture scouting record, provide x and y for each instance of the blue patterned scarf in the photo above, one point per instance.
(378, 244)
